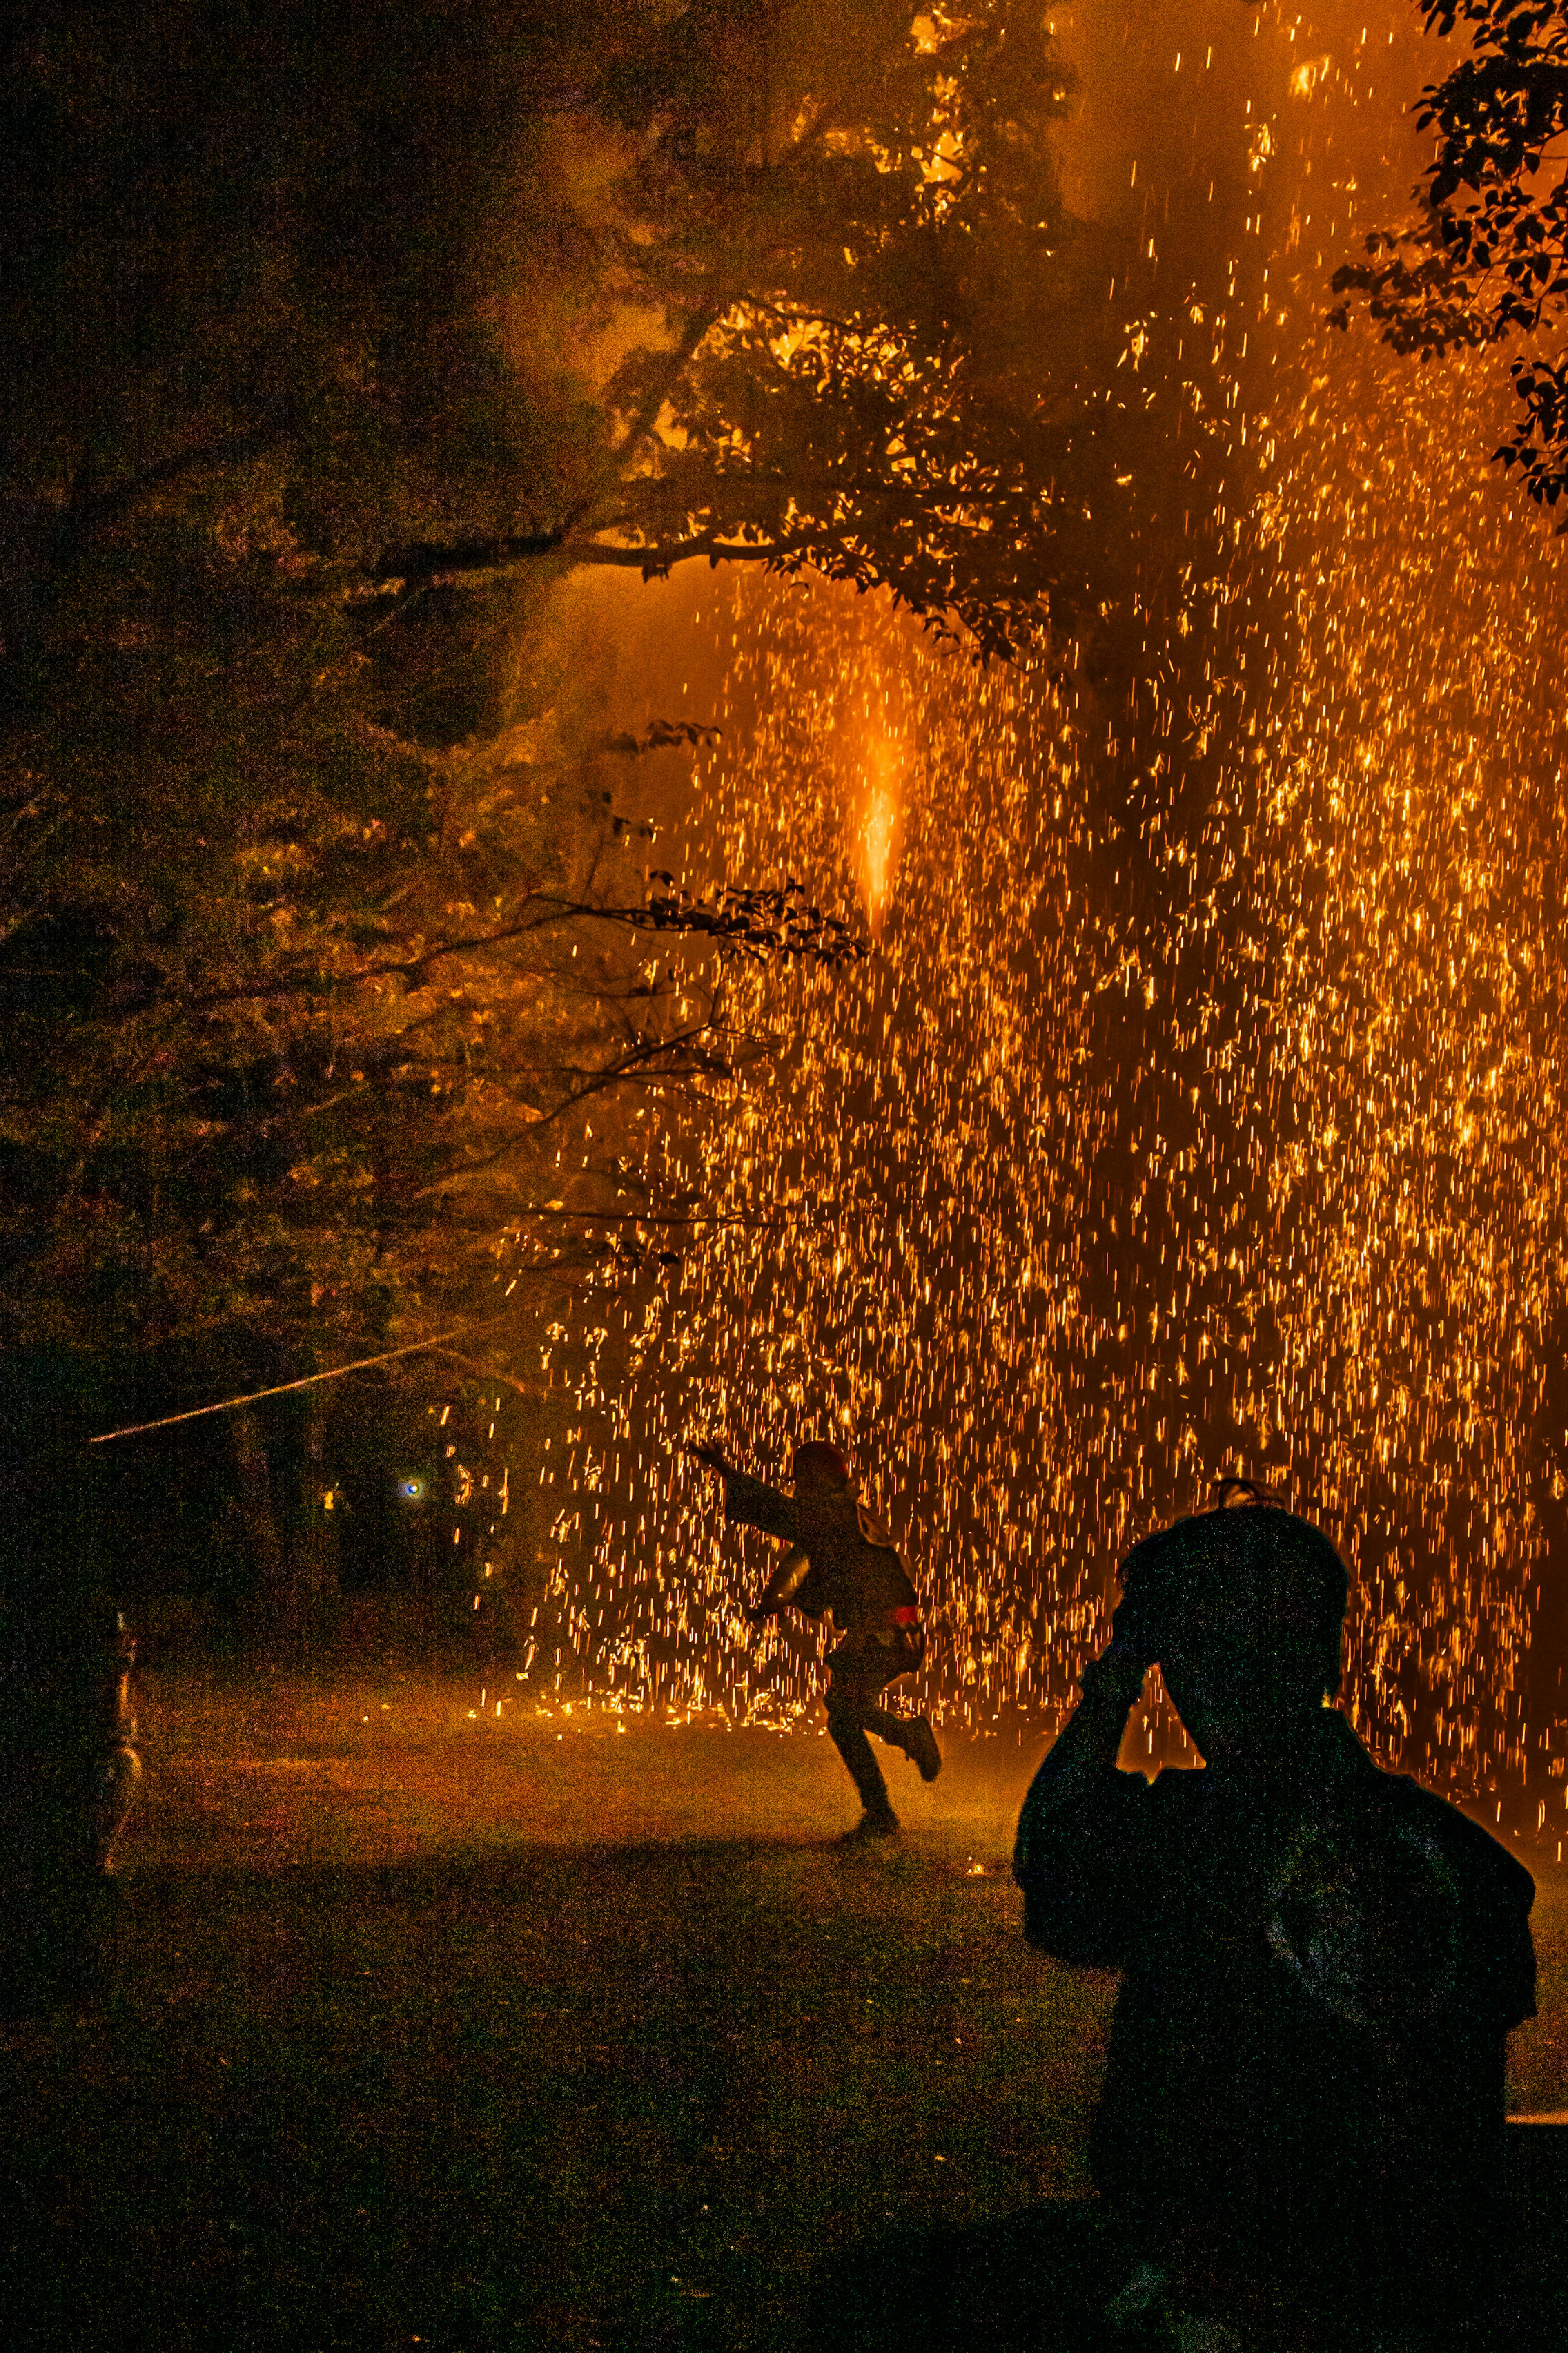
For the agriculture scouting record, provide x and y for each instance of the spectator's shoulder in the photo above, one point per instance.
(1469, 1846)
(1178, 1788)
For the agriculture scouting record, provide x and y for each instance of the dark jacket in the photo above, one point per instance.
(842, 1561)
(1306, 2061)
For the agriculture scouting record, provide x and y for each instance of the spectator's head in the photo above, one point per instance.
(1243, 1608)
(817, 1468)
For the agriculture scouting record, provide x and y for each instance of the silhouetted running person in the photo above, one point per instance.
(842, 1563)
(1301, 2138)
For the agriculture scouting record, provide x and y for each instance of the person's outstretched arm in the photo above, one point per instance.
(1076, 1856)
(748, 1504)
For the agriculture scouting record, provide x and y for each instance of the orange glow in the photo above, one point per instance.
(877, 832)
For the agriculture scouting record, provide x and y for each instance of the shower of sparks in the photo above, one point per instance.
(1201, 1107)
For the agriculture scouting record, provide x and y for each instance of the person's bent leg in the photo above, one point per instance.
(849, 1704)
(912, 1734)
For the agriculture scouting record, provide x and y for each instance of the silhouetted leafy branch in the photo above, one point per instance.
(782, 922)
(1489, 258)
(661, 735)
(777, 923)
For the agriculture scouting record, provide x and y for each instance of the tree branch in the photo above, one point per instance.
(647, 416)
(426, 563)
(627, 1066)
(654, 562)
(102, 506)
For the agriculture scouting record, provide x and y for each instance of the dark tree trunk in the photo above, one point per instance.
(315, 1546)
(275, 1614)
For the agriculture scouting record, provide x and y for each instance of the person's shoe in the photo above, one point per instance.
(920, 1748)
(871, 1827)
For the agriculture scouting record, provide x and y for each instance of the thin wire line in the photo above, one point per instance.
(491, 1372)
(223, 1404)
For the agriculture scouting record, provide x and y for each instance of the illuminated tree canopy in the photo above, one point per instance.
(1490, 257)
(857, 242)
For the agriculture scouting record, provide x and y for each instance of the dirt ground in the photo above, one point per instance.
(431, 2027)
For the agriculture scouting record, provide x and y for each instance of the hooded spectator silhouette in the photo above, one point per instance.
(842, 1564)
(1300, 2137)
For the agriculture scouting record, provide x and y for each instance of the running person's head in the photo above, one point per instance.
(818, 1468)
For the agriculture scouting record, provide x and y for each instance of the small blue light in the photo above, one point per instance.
(411, 1490)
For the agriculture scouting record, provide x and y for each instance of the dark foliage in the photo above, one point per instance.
(293, 998)
(1489, 258)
